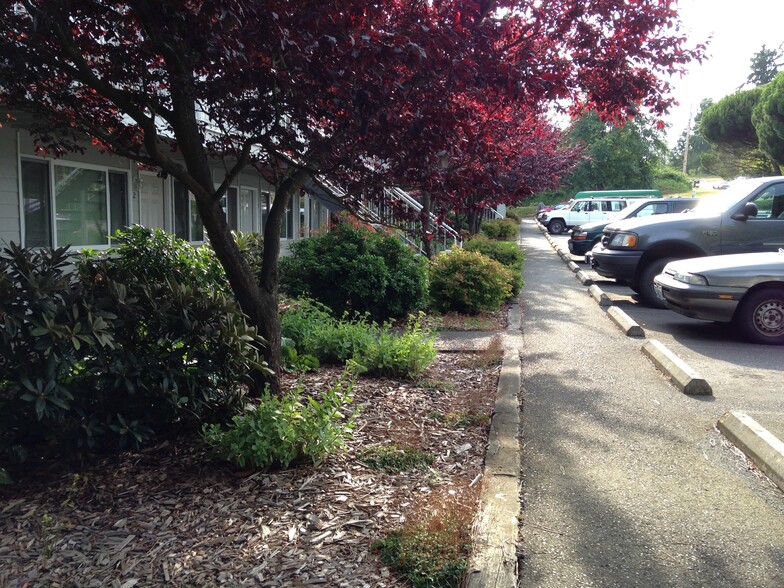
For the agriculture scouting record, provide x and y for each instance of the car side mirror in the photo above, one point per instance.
(749, 209)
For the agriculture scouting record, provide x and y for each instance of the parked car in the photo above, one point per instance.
(580, 212)
(746, 289)
(584, 237)
(723, 185)
(551, 207)
(746, 218)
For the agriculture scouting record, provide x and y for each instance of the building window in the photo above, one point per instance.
(88, 204)
(187, 222)
(264, 206)
(287, 224)
(245, 223)
(36, 199)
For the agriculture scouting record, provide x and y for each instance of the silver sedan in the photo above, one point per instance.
(746, 289)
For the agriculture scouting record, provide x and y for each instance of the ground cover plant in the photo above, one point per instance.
(403, 350)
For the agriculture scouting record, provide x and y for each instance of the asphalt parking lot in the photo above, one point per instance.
(743, 376)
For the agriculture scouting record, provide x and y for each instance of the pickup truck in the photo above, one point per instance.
(581, 212)
(585, 237)
(748, 217)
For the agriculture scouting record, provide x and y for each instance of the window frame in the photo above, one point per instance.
(52, 196)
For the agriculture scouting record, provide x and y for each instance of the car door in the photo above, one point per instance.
(597, 210)
(763, 232)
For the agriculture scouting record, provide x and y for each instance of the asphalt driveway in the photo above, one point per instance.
(626, 481)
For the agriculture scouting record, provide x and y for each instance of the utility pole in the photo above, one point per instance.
(686, 148)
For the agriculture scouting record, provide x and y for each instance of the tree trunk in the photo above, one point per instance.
(250, 296)
(474, 221)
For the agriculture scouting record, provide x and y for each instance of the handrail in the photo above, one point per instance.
(378, 213)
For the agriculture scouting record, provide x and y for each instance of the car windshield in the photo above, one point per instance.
(721, 202)
(631, 210)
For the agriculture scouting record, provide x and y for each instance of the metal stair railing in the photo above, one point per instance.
(382, 212)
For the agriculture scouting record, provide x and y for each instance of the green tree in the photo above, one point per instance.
(618, 157)
(729, 127)
(768, 120)
(728, 122)
(698, 145)
(765, 64)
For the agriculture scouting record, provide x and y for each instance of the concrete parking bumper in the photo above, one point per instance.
(759, 445)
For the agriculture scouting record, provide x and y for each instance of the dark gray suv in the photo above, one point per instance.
(748, 217)
(585, 236)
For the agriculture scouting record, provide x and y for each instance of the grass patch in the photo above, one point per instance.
(433, 550)
(396, 458)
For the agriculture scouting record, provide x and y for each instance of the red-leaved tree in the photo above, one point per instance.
(317, 88)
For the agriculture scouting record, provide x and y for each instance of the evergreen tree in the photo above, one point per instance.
(765, 64)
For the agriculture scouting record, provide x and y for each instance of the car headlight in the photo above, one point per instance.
(692, 279)
(578, 234)
(625, 240)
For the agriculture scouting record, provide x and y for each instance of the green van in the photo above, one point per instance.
(618, 194)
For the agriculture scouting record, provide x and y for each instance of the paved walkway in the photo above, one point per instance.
(625, 481)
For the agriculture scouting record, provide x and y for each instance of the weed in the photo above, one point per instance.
(395, 458)
(279, 430)
(49, 529)
(73, 489)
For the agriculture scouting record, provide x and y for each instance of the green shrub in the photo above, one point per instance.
(155, 256)
(468, 282)
(356, 270)
(316, 332)
(670, 180)
(403, 354)
(501, 229)
(103, 357)
(292, 360)
(278, 431)
(505, 253)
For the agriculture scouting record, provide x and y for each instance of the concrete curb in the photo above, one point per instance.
(494, 562)
(759, 445)
(583, 277)
(599, 295)
(686, 379)
(625, 322)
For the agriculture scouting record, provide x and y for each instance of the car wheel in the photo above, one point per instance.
(556, 226)
(760, 316)
(647, 290)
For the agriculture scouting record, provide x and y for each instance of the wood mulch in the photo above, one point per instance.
(170, 516)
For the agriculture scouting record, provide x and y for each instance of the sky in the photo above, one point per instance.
(738, 30)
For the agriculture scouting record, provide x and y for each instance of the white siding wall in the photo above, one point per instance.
(15, 143)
